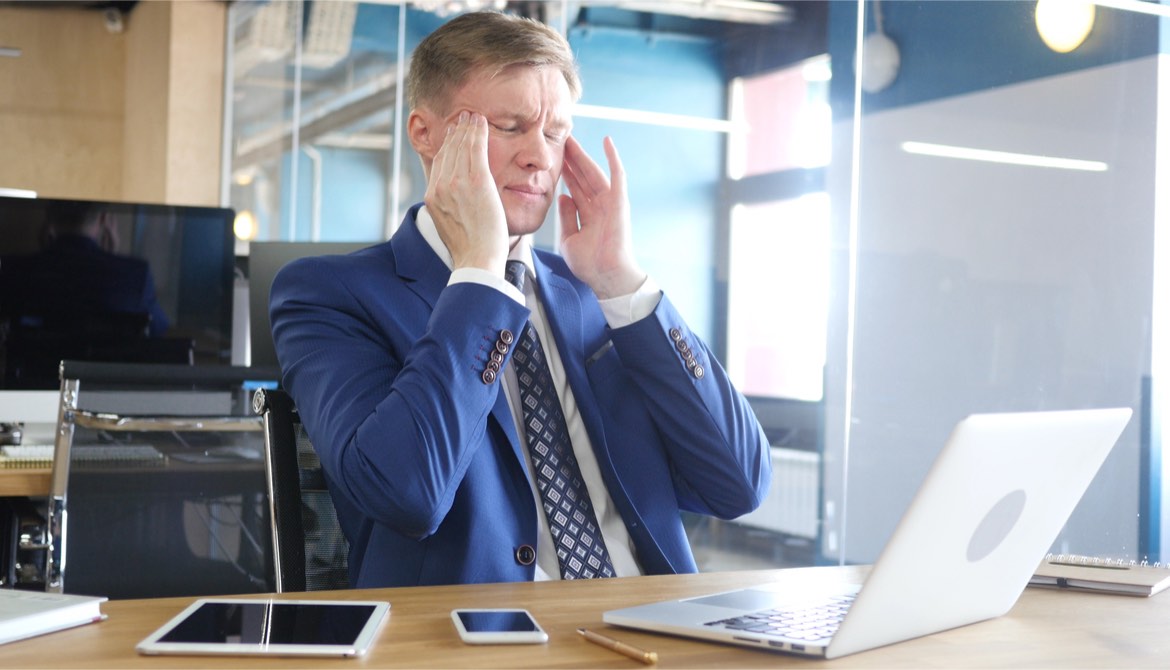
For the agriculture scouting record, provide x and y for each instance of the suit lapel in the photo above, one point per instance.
(566, 318)
(418, 265)
(562, 308)
(425, 273)
(564, 313)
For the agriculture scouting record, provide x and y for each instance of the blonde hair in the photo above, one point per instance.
(488, 42)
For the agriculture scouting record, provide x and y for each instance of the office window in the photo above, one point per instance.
(778, 231)
(784, 119)
(778, 298)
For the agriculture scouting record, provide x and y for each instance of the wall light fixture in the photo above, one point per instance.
(1064, 24)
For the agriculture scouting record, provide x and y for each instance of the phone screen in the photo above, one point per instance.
(497, 621)
(497, 626)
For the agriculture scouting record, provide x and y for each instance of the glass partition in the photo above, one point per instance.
(969, 226)
(999, 254)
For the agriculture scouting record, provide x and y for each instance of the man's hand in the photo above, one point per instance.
(463, 200)
(596, 237)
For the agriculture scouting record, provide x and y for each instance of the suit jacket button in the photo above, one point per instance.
(501, 346)
(525, 554)
(675, 334)
(506, 336)
(488, 376)
(698, 372)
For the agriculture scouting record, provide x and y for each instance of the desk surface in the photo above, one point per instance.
(24, 481)
(1046, 629)
(36, 482)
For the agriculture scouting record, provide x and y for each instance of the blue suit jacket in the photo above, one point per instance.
(385, 363)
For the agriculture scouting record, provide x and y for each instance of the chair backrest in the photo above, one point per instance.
(158, 484)
(310, 551)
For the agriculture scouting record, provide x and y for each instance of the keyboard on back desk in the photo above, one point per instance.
(41, 455)
(137, 454)
(26, 456)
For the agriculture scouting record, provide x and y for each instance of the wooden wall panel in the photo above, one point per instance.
(61, 103)
(196, 102)
(137, 115)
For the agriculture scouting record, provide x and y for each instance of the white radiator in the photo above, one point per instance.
(791, 504)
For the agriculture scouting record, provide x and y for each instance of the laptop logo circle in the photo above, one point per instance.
(996, 525)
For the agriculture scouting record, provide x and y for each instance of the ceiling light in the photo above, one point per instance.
(986, 155)
(244, 225)
(446, 7)
(1139, 6)
(1064, 24)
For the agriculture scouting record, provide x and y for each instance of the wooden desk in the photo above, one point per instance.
(1046, 629)
(32, 482)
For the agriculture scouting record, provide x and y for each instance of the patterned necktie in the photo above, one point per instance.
(575, 532)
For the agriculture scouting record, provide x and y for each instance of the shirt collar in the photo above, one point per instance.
(426, 227)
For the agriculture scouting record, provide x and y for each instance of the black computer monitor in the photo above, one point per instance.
(265, 259)
(55, 287)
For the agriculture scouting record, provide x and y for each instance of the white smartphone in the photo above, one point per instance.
(497, 626)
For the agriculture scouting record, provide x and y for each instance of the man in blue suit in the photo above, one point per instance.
(400, 357)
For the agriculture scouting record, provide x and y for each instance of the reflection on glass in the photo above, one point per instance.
(787, 120)
(778, 297)
(988, 279)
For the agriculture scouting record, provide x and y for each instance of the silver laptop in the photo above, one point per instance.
(988, 511)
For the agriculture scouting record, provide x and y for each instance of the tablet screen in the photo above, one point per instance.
(290, 627)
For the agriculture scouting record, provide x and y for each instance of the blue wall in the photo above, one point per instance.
(673, 174)
(353, 196)
(959, 46)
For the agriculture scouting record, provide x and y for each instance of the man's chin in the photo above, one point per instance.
(525, 224)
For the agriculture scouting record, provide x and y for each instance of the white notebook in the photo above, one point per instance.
(29, 613)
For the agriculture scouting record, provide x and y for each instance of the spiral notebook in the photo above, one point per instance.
(1102, 575)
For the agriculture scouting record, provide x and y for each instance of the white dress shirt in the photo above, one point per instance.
(618, 312)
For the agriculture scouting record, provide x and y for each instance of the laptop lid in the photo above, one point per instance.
(988, 510)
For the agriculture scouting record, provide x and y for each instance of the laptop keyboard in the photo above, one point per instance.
(810, 623)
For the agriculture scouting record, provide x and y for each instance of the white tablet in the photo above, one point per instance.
(237, 626)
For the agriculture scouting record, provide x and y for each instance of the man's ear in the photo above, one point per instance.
(425, 131)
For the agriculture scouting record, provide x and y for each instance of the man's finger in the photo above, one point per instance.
(568, 211)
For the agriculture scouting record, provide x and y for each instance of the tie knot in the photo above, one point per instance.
(514, 272)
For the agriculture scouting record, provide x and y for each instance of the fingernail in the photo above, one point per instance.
(462, 117)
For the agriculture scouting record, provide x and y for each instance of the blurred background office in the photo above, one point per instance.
(883, 215)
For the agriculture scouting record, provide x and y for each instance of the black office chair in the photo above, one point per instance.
(310, 552)
(158, 485)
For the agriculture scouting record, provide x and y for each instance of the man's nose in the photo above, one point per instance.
(537, 152)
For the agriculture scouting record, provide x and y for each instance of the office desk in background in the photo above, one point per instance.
(25, 482)
(193, 507)
(1046, 629)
